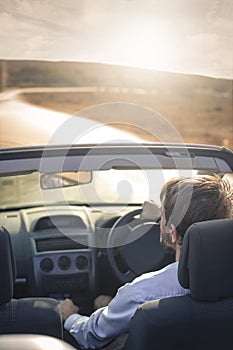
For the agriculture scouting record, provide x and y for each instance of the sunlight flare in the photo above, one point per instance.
(147, 45)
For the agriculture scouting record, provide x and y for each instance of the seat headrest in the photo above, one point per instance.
(206, 260)
(7, 267)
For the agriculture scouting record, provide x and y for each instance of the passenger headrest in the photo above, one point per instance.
(7, 267)
(206, 260)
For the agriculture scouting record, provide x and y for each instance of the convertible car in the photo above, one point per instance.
(73, 214)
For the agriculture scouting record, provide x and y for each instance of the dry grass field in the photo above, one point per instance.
(200, 108)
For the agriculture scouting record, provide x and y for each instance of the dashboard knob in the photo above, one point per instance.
(64, 262)
(46, 265)
(81, 262)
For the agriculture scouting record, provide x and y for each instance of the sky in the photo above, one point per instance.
(187, 36)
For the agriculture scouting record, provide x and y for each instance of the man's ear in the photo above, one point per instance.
(174, 234)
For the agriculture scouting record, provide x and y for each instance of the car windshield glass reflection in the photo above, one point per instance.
(107, 187)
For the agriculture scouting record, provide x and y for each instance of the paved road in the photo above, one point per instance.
(25, 124)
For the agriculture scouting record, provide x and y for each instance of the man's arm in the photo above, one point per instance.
(104, 324)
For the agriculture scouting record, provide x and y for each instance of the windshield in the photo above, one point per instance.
(108, 187)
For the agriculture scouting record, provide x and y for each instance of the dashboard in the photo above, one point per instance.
(54, 251)
(59, 251)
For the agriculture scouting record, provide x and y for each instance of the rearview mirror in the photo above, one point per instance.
(65, 179)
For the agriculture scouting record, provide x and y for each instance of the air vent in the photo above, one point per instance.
(60, 243)
(59, 221)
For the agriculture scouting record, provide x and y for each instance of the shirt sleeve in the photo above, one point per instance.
(106, 323)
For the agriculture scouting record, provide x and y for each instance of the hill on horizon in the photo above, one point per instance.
(31, 73)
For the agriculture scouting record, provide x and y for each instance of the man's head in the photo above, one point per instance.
(189, 200)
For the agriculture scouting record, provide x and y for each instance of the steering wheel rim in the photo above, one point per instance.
(125, 219)
(127, 227)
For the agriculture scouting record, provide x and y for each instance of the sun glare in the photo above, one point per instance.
(146, 46)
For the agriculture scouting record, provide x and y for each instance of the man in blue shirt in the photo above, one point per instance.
(184, 202)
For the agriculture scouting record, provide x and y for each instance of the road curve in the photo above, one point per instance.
(22, 124)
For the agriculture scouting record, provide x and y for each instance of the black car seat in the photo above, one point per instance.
(203, 319)
(26, 315)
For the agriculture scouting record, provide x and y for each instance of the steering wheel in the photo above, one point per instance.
(134, 247)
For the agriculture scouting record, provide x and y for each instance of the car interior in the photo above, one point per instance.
(72, 225)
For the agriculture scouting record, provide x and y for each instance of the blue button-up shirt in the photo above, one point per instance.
(109, 322)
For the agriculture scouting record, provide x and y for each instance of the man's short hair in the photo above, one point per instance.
(189, 200)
